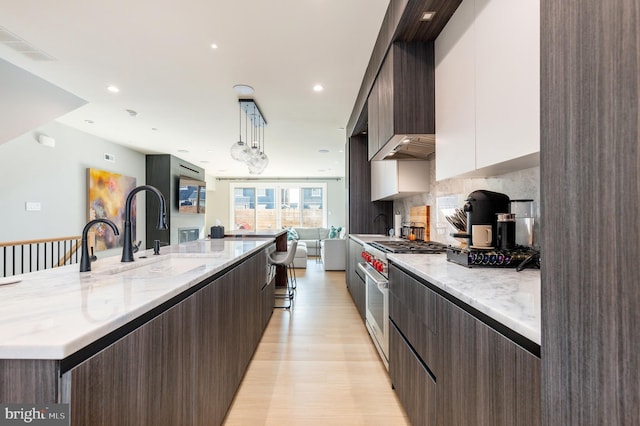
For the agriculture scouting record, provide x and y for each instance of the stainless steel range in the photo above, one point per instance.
(375, 268)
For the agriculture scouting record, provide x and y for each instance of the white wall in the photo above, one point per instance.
(218, 201)
(57, 179)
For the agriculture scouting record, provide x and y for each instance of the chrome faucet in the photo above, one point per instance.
(85, 260)
(127, 245)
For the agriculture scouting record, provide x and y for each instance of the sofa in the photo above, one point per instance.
(312, 237)
(333, 252)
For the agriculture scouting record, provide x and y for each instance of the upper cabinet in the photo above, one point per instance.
(488, 89)
(401, 103)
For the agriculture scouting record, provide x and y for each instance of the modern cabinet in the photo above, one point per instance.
(355, 283)
(142, 379)
(488, 89)
(391, 179)
(364, 216)
(486, 378)
(401, 101)
(163, 171)
(184, 365)
(437, 347)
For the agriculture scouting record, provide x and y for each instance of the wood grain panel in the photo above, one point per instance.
(413, 384)
(401, 23)
(143, 379)
(364, 216)
(590, 158)
(29, 381)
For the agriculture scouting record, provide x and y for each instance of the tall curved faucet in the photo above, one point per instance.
(127, 245)
(85, 260)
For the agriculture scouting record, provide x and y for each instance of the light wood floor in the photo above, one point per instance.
(316, 364)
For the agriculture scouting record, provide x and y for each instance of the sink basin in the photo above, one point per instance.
(156, 267)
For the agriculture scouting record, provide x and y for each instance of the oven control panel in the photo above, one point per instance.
(377, 263)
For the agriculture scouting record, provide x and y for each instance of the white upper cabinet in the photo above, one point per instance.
(455, 95)
(487, 89)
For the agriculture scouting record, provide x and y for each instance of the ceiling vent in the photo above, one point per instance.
(22, 46)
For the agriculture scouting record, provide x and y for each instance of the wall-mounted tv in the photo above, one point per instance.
(192, 195)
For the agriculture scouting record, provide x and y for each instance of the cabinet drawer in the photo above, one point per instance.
(414, 385)
(413, 308)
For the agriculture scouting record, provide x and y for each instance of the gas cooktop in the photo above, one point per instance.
(409, 246)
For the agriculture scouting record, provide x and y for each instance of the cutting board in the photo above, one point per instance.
(420, 216)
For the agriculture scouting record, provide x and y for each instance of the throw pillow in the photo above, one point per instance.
(292, 234)
(335, 232)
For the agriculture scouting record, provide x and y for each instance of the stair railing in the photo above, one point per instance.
(20, 257)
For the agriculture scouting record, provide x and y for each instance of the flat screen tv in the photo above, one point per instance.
(192, 195)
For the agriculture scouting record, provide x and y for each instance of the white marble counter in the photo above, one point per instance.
(52, 314)
(511, 298)
(369, 238)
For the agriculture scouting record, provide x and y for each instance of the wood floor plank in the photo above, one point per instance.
(316, 364)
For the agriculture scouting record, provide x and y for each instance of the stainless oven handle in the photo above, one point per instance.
(373, 275)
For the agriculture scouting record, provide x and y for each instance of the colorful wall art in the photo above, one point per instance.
(107, 193)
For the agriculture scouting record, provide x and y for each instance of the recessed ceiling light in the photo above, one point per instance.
(427, 16)
(131, 112)
(113, 89)
(154, 129)
(214, 46)
(318, 88)
(243, 89)
(204, 161)
(184, 151)
(323, 151)
(89, 121)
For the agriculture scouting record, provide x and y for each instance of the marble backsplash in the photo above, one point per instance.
(523, 184)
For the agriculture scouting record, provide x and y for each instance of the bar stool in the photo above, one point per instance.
(286, 259)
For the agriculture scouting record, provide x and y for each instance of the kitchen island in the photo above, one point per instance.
(162, 340)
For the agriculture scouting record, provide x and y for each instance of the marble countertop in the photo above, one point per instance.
(52, 314)
(511, 298)
(258, 233)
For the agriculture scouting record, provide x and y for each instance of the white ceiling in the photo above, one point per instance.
(158, 53)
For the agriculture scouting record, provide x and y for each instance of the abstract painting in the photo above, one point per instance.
(106, 196)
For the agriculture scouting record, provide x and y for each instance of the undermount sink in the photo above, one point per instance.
(153, 267)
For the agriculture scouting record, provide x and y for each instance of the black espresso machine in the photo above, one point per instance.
(482, 208)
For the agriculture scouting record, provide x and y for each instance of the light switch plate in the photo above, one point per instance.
(33, 206)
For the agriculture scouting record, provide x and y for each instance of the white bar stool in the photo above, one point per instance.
(280, 258)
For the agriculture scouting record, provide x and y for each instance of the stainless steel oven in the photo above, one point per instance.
(377, 309)
(375, 270)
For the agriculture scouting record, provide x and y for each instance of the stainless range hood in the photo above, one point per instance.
(407, 147)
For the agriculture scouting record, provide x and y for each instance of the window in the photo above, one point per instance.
(273, 206)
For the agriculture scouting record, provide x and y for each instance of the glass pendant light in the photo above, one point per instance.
(240, 150)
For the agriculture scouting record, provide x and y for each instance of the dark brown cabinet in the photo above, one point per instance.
(163, 171)
(355, 283)
(402, 98)
(413, 383)
(486, 378)
(482, 376)
(184, 365)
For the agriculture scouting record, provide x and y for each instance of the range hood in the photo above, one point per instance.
(407, 147)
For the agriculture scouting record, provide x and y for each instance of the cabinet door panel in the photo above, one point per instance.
(413, 384)
(507, 57)
(455, 95)
(142, 379)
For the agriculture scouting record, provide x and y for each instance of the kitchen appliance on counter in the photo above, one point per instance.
(524, 211)
(519, 257)
(482, 207)
(375, 267)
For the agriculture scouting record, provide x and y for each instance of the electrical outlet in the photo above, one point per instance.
(33, 206)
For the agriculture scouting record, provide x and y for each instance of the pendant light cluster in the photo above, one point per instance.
(251, 150)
